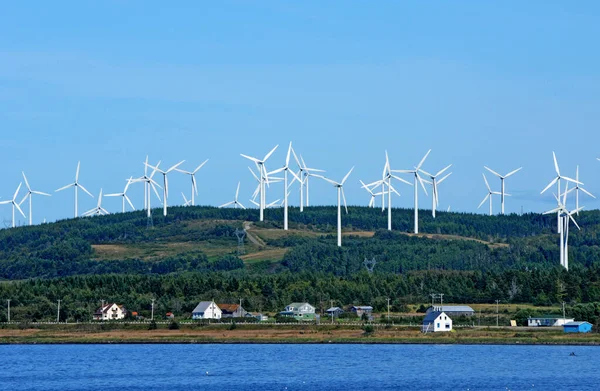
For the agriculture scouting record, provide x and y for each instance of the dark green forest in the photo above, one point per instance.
(469, 257)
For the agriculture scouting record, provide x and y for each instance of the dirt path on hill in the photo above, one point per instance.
(254, 239)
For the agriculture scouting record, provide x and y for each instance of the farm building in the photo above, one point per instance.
(232, 310)
(334, 312)
(361, 310)
(577, 327)
(207, 310)
(548, 321)
(452, 310)
(299, 311)
(111, 311)
(436, 321)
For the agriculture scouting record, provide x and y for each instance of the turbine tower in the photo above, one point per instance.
(123, 195)
(502, 178)
(557, 181)
(148, 183)
(76, 185)
(565, 217)
(29, 195)
(263, 178)
(166, 182)
(192, 175)
(304, 173)
(488, 195)
(418, 178)
(577, 188)
(340, 192)
(235, 201)
(14, 205)
(434, 184)
(285, 170)
(98, 210)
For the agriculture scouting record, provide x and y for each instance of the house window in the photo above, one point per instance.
(438, 325)
(448, 325)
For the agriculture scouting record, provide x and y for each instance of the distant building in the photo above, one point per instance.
(548, 321)
(334, 312)
(299, 311)
(436, 321)
(261, 317)
(452, 310)
(577, 327)
(232, 310)
(111, 311)
(207, 310)
(361, 310)
(169, 315)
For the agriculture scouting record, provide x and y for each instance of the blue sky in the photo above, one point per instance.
(501, 84)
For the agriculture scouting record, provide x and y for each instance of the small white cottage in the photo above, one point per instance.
(207, 310)
(111, 311)
(436, 321)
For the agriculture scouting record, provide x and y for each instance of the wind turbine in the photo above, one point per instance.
(557, 181)
(340, 192)
(387, 176)
(418, 178)
(98, 210)
(263, 177)
(235, 202)
(434, 184)
(29, 195)
(564, 218)
(285, 170)
(502, 178)
(165, 183)
(186, 202)
(192, 174)
(148, 183)
(488, 195)
(303, 174)
(14, 205)
(373, 195)
(123, 195)
(577, 188)
(76, 185)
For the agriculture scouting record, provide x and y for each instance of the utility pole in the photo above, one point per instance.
(563, 305)
(240, 309)
(332, 312)
(58, 312)
(497, 301)
(8, 310)
(388, 302)
(152, 316)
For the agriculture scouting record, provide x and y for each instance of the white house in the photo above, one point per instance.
(207, 310)
(110, 312)
(436, 321)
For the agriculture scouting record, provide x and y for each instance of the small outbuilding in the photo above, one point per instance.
(577, 327)
(334, 312)
(548, 321)
(232, 310)
(436, 321)
(361, 310)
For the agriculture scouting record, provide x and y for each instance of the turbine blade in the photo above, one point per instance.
(571, 180)
(287, 158)
(442, 180)
(587, 192)
(442, 170)
(555, 164)
(484, 200)
(492, 171)
(423, 160)
(227, 204)
(26, 183)
(512, 172)
(237, 192)
(549, 185)
(326, 179)
(84, 189)
(19, 209)
(200, 166)
(255, 160)
(344, 198)
(347, 175)
(422, 184)
(240, 204)
(17, 191)
(175, 166)
(254, 175)
(77, 172)
(129, 201)
(268, 155)
(65, 187)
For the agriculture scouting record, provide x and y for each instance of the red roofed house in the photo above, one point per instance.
(112, 311)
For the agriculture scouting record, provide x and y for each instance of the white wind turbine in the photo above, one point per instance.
(373, 195)
(76, 185)
(340, 193)
(29, 195)
(557, 181)
(263, 178)
(192, 174)
(577, 188)
(564, 218)
(148, 183)
(303, 174)
(123, 195)
(489, 195)
(502, 178)
(165, 182)
(285, 170)
(14, 205)
(434, 184)
(418, 178)
(235, 201)
(98, 210)
(186, 202)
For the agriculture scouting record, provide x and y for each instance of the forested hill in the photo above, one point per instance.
(203, 239)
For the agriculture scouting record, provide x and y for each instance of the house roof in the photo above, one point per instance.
(432, 316)
(203, 306)
(576, 323)
(296, 305)
(333, 309)
(453, 308)
(228, 307)
(362, 307)
(104, 310)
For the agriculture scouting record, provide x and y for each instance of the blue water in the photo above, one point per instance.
(298, 367)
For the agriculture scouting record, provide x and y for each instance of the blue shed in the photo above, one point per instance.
(577, 327)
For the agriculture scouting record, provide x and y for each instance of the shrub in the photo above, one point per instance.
(232, 326)
(368, 329)
(173, 325)
(152, 325)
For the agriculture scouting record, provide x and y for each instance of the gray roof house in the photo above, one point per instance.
(207, 310)
(299, 311)
(334, 311)
(436, 321)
